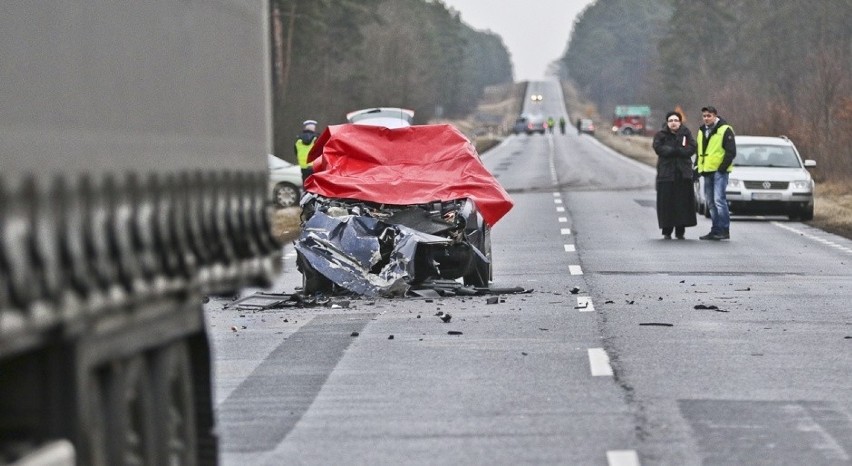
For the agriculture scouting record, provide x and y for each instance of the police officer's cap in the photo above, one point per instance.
(309, 122)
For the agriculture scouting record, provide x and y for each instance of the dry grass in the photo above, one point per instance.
(635, 147)
(833, 208)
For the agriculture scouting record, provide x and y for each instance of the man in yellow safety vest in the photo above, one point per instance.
(716, 152)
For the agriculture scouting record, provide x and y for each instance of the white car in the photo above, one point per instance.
(389, 117)
(769, 178)
(285, 182)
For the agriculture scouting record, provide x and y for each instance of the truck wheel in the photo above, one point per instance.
(175, 408)
(627, 131)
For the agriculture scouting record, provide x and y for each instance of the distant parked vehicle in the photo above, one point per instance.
(536, 124)
(587, 126)
(769, 178)
(520, 125)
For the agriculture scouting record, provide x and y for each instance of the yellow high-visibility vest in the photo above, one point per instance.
(711, 156)
(302, 150)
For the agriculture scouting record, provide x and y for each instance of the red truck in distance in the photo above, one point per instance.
(630, 119)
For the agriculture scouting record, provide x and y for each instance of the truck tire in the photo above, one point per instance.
(628, 131)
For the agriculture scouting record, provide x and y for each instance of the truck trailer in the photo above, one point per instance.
(133, 179)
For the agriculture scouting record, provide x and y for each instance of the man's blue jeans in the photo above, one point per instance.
(714, 192)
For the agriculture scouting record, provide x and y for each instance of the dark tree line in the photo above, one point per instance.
(330, 57)
(770, 66)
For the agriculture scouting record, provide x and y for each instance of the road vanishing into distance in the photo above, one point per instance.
(629, 349)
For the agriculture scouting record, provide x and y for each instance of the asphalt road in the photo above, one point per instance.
(670, 352)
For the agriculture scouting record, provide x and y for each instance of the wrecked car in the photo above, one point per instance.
(387, 209)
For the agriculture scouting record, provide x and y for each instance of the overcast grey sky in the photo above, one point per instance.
(536, 32)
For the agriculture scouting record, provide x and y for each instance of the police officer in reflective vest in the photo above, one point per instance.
(716, 152)
(303, 145)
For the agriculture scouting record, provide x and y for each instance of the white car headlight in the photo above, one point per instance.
(801, 184)
(733, 183)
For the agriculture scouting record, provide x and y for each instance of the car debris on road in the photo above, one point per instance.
(389, 209)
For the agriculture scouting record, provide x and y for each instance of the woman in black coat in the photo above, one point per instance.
(674, 146)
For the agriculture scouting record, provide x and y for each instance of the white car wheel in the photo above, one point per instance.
(285, 195)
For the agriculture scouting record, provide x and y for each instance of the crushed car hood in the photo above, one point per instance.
(413, 165)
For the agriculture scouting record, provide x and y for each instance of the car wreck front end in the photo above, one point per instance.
(388, 210)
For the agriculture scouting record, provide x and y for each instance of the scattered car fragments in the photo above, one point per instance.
(390, 210)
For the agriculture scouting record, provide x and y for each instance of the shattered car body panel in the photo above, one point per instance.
(388, 209)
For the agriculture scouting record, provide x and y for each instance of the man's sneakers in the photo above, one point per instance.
(713, 236)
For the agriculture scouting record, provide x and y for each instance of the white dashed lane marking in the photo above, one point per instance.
(814, 237)
(565, 231)
(599, 362)
(569, 248)
(584, 304)
(563, 219)
(575, 270)
(622, 458)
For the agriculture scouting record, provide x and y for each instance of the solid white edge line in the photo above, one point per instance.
(569, 248)
(575, 270)
(565, 231)
(622, 458)
(599, 363)
(584, 304)
(812, 237)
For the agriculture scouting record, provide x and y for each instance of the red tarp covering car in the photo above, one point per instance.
(402, 166)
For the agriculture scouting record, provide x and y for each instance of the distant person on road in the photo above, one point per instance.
(550, 124)
(304, 142)
(716, 152)
(674, 146)
(562, 124)
(579, 122)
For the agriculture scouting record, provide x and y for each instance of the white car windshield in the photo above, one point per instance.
(766, 156)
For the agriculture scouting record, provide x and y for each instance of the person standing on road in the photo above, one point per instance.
(674, 146)
(550, 124)
(562, 124)
(304, 142)
(716, 152)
